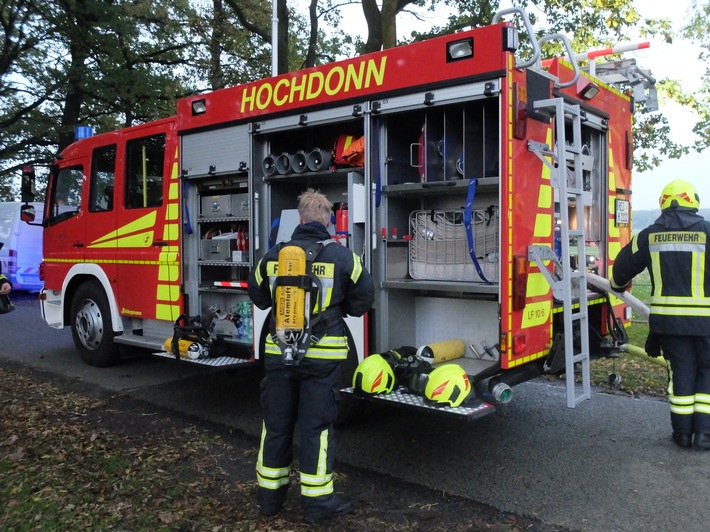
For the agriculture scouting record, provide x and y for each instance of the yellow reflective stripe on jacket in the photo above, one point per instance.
(634, 244)
(327, 348)
(321, 482)
(257, 274)
(697, 304)
(680, 310)
(687, 301)
(357, 269)
(325, 271)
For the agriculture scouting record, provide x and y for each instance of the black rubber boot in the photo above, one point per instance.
(334, 506)
(683, 439)
(702, 441)
(270, 501)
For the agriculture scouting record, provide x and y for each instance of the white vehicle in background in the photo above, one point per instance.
(21, 255)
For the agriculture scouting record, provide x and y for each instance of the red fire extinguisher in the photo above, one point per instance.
(341, 224)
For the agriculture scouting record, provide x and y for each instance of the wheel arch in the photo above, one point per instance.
(78, 275)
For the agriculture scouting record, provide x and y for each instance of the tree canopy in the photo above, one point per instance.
(114, 63)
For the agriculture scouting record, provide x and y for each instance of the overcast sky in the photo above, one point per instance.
(676, 61)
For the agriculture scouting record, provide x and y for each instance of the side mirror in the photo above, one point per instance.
(28, 183)
(27, 213)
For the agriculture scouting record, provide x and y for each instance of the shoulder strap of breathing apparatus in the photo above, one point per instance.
(295, 337)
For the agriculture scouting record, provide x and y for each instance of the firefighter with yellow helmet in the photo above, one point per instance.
(311, 283)
(676, 252)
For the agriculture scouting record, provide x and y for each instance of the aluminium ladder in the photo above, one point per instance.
(569, 285)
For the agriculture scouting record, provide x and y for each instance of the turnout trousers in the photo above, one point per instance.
(688, 382)
(306, 394)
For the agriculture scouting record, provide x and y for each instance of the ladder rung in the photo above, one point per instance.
(571, 148)
(579, 357)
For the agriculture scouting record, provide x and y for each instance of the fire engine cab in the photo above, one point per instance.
(481, 189)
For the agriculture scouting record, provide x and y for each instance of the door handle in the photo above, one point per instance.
(160, 244)
(78, 244)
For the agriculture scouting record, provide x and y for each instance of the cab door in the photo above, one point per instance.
(64, 219)
(147, 227)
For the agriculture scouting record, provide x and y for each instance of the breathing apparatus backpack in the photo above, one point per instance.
(190, 339)
(292, 309)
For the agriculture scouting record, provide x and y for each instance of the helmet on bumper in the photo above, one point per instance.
(447, 385)
(373, 376)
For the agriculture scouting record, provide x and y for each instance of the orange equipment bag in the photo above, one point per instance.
(349, 151)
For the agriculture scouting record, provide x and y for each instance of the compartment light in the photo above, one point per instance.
(457, 50)
(586, 89)
(199, 107)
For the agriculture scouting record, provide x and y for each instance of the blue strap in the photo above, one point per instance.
(188, 226)
(469, 232)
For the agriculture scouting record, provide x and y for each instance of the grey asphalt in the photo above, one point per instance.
(607, 465)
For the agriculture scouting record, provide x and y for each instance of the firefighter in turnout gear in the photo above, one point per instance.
(676, 252)
(303, 386)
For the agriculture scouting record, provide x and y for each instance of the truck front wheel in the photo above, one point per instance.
(91, 326)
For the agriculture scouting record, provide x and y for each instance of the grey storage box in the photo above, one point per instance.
(225, 206)
(218, 248)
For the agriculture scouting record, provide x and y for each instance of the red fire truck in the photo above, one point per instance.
(487, 187)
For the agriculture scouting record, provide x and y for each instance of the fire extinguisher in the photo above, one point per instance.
(341, 224)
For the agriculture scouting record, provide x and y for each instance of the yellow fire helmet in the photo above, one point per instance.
(447, 385)
(373, 376)
(679, 193)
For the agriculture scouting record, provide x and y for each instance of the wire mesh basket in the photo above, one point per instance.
(438, 249)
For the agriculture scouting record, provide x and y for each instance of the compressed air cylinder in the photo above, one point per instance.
(442, 351)
(187, 349)
(290, 301)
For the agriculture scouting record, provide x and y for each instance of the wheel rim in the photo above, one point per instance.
(90, 325)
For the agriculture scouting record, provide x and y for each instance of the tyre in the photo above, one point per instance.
(91, 326)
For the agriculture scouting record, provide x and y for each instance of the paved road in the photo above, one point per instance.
(607, 465)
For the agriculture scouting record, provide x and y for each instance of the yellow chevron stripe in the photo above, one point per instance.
(114, 237)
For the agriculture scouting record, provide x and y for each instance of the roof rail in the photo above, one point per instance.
(570, 55)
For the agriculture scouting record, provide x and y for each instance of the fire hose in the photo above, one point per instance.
(635, 303)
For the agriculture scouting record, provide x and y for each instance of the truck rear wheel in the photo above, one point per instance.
(91, 326)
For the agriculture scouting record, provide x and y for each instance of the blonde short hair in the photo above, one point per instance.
(314, 207)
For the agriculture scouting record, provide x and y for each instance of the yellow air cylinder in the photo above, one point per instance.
(442, 351)
(290, 301)
(183, 347)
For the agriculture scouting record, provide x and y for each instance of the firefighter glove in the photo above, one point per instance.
(653, 346)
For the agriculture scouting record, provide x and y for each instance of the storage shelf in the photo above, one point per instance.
(305, 176)
(221, 289)
(205, 219)
(202, 262)
(440, 187)
(466, 287)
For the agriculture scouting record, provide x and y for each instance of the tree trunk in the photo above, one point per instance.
(374, 26)
(216, 73)
(74, 97)
(313, 36)
(282, 13)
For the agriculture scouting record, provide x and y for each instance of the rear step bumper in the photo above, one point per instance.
(472, 410)
(212, 362)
